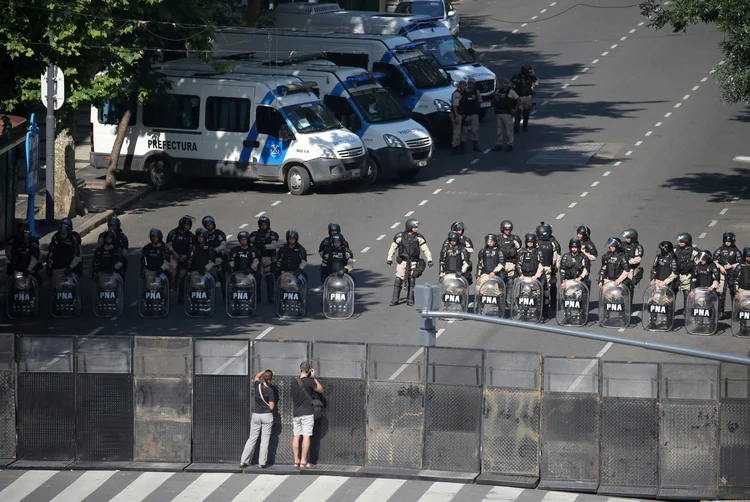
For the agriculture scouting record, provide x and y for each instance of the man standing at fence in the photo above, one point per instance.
(303, 417)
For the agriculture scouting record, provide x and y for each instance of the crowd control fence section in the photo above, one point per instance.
(629, 429)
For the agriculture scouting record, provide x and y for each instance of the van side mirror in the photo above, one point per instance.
(451, 13)
(285, 133)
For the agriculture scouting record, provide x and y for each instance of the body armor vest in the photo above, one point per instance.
(490, 258)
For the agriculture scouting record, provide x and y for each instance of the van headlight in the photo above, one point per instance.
(442, 106)
(326, 152)
(392, 141)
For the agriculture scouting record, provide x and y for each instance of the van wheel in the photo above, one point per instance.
(408, 174)
(298, 180)
(372, 172)
(160, 175)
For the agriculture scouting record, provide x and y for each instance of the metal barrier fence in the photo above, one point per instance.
(510, 418)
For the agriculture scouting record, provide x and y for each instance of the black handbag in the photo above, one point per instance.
(319, 409)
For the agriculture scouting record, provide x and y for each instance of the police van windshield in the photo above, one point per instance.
(311, 117)
(432, 9)
(448, 50)
(424, 74)
(379, 105)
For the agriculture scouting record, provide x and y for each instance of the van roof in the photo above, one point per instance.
(389, 41)
(270, 81)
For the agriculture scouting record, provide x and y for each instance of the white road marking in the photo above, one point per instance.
(713, 223)
(632, 31)
(703, 235)
(595, 61)
(474, 161)
(743, 189)
(423, 202)
(465, 169)
(365, 250)
(437, 191)
(584, 194)
(545, 102)
(606, 173)
(649, 133)
(229, 236)
(572, 204)
(244, 225)
(618, 163)
(504, 39)
(381, 490)
(614, 46)
(638, 143)
(409, 214)
(575, 78)
(585, 372)
(621, 330)
(724, 211)
(440, 492)
(413, 358)
(95, 331)
(686, 97)
(628, 153)
(533, 112)
(514, 31)
(201, 488)
(721, 62)
(641, 23)
(488, 150)
(239, 353)
(585, 70)
(622, 39)
(695, 88)
(493, 46)
(380, 237)
(604, 53)
(524, 25)
(704, 79)
(560, 216)
(734, 201)
(534, 17)
(560, 496)
(276, 203)
(594, 183)
(260, 488)
(678, 105)
(260, 214)
(658, 124)
(451, 321)
(396, 224)
(264, 333)
(503, 493)
(667, 115)
(143, 486)
(565, 86)
(24, 485)
(451, 180)
(542, 11)
(83, 486)
(553, 4)
(712, 72)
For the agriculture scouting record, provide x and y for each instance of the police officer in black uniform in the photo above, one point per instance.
(460, 228)
(21, 229)
(409, 266)
(340, 259)
(325, 248)
(511, 244)
(472, 106)
(506, 106)
(550, 261)
(742, 283)
(524, 83)
(705, 273)
(615, 267)
(243, 258)
(491, 261)
(634, 253)
(78, 268)
(530, 266)
(575, 266)
(180, 242)
(292, 257)
(686, 255)
(64, 252)
(454, 259)
(108, 257)
(114, 225)
(204, 257)
(155, 255)
(266, 243)
(587, 246)
(25, 256)
(727, 258)
(664, 271)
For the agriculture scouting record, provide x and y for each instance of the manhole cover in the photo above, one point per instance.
(577, 154)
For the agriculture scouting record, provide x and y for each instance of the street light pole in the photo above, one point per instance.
(50, 133)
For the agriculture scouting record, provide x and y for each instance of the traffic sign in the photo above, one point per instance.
(59, 93)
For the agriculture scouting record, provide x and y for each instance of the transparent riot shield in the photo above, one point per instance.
(109, 295)
(291, 296)
(240, 298)
(658, 308)
(528, 300)
(200, 294)
(701, 312)
(454, 293)
(153, 295)
(614, 306)
(573, 303)
(65, 294)
(22, 301)
(338, 297)
(489, 298)
(741, 314)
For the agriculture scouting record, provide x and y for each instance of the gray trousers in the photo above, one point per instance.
(261, 423)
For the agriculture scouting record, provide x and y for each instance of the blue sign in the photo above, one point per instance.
(32, 170)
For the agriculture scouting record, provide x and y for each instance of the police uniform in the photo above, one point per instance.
(408, 244)
(727, 258)
(575, 266)
(457, 119)
(634, 254)
(491, 260)
(291, 258)
(108, 258)
(685, 261)
(244, 260)
(473, 107)
(339, 259)
(665, 270)
(742, 288)
(180, 245)
(454, 260)
(154, 258)
(705, 276)
(63, 254)
(551, 264)
(506, 104)
(266, 243)
(24, 256)
(524, 82)
(615, 267)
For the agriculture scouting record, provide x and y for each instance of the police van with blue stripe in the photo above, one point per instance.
(395, 143)
(415, 79)
(454, 55)
(215, 124)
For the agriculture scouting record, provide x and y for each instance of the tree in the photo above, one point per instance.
(732, 17)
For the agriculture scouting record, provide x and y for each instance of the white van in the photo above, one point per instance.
(210, 124)
(451, 53)
(422, 87)
(442, 9)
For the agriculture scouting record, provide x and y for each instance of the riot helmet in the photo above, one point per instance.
(108, 237)
(614, 242)
(337, 239)
(264, 220)
(530, 237)
(186, 223)
(201, 233)
(114, 224)
(22, 226)
(453, 237)
(746, 252)
(584, 233)
(458, 227)
(490, 238)
(544, 231)
(243, 235)
(27, 237)
(411, 224)
(704, 255)
(728, 237)
(155, 233)
(574, 242)
(209, 220)
(334, 228)
(67, 221)
(506, 226)
(666, 248)
(292, 234)
(64, 230)
(630, 233)
(684, 240)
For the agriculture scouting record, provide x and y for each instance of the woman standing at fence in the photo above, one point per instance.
(262, 419)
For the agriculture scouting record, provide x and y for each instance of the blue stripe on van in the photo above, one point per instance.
(253, 134)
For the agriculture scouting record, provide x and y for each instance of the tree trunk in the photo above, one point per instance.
(67, 201)
(110, 180)
(253, 12)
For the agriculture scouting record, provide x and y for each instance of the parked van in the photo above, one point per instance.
(442, 9)
(421, 86)
(210, 124)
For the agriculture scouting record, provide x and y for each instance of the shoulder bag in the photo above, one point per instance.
(319, 409)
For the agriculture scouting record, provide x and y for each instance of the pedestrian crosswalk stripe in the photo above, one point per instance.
(260, 488)
(202, 487)
(381, 490)
(321, 489)
(441, 492)
(142, 487)
(559, 497)
(24, 485)
(505, 493)
(83, 486)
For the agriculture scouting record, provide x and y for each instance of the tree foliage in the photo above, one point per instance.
(732, 17)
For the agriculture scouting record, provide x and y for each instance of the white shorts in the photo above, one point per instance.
(303, 426)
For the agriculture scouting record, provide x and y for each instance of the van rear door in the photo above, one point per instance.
(230, 132)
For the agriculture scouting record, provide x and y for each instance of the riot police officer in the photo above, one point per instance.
(180, 242)
(705, 273)
(458, 114)
(409, 266)
(506, 106)
(64, 252)
(727, 258)
(19, 236)
(510, 244)
(292, 257)
(114, 225)
(634, 253)
(108, 257)
(339, 259)
(615, 266)
(454, 259)
(24, 256)
(664, 271)
(460, 228)
(78, 268)
(491, 261)
(575, 266)
(686, 255)
(155, 255)
(472, 100)
(529, 266)
(524, 84)
(243, 258)
(742, 274)
(550, 261)
(325, 248)
(587, 246)
(217, 239)
(204, 257)
(266, 243)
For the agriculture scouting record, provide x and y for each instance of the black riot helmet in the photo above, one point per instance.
(666, 248)
(506, 226)
(65, 229)
(453, 236)
(27, 237)
(264, 220)
(614, 242)
(544, 231)
(584, 232)
(458, 227)
(108, 237)
(488, 238)
(704, 255)
(202, 233)
(186, 223)
(334, 228)
(155, 232)
(684, 238)
(574, 242)
(114, 224)
(243, 235)
(630, 233)
(67, 221)
(728, 237)
(22, 227)
(209, 220)
(411, 224)
(337, 239)
(292, 234)
(746, 252)
(530, 238)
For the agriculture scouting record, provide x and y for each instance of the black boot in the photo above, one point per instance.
(526, 120)
(258, 280)
(412, 285)
(476, 146)
(270, 286)
(397, 284)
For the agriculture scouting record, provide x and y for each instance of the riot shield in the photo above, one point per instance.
(22, 301)
(528, 299)
(291, 296)
(153, 295)
(240, 298)
(489, 298)
(701, 312)
(66, 294)
(614, 306)
(109, 295)
(658, 308)
(741, 314)
(200, 294)
(573, 303)
(338, 297)
(454, 293)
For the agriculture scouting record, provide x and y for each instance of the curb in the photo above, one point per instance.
(100, 218)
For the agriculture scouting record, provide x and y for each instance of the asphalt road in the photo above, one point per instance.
(646, 99)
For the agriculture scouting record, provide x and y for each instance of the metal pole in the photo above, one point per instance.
(50, 134)
(661, 347)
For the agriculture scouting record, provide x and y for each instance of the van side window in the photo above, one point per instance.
(268, 120)
(342, 110)
(173, 111)
(356, 59)
(394, 81)
(111, 112)
(228, 114)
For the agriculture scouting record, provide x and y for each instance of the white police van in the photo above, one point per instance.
(421, 86)
(453, 54)
(395, 143)
(210, 124)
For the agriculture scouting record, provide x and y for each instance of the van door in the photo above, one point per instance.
(171, 124)
(269, 157)
(228, 128)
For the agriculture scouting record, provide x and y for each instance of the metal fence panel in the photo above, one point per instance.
(7, 396)
(283, 358)
(455, 366)
(688, 451)
(279, 450)
(453, 427)
(46, 399)
(339, 360)
(513, 370)
(395, 363)
(163, 399)
(734, 471)
(562, 374)
(395, 414)
(689, 381)
(340, 436)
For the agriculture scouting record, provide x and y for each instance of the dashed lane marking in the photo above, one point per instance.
(658, 124)
(423, 202)
(721, 62)
(451, 321)
(437, 191)
(704, 79)
(554, 94)
(632, 31)
(713, 223)
(395, 224)
(703, 235)
(678, 105)
(565, 86)
(686, 97)
(667, 115)
(724, 211)
(614, 46)
(524, 25)
(244, 225)
(451, 180)
(534, 17)
(560, 216)
(553, 4)
(641, 23)
(618, 163)
(585, 70)
(260, 214)
(572, 204)
(95, 331)
(638, 143)
(276, 203)
(649, 133)
(465, 169)
(734, 200)
(622, 39)
(264, 332)
(607, 173)
(409, 214)
(542, 11)
(365, 250)
(604, 53)
(318, 289)
(380, 237)
(514, 31)
(488, 150)
(628, 153)
(544, 102)
(475, 161)
(594, 183)
(595, 61)
(584, 194)
(229, 236)
(588, 369)
(695, 88)
(413, 358)
(621, 330)
(575, 78)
